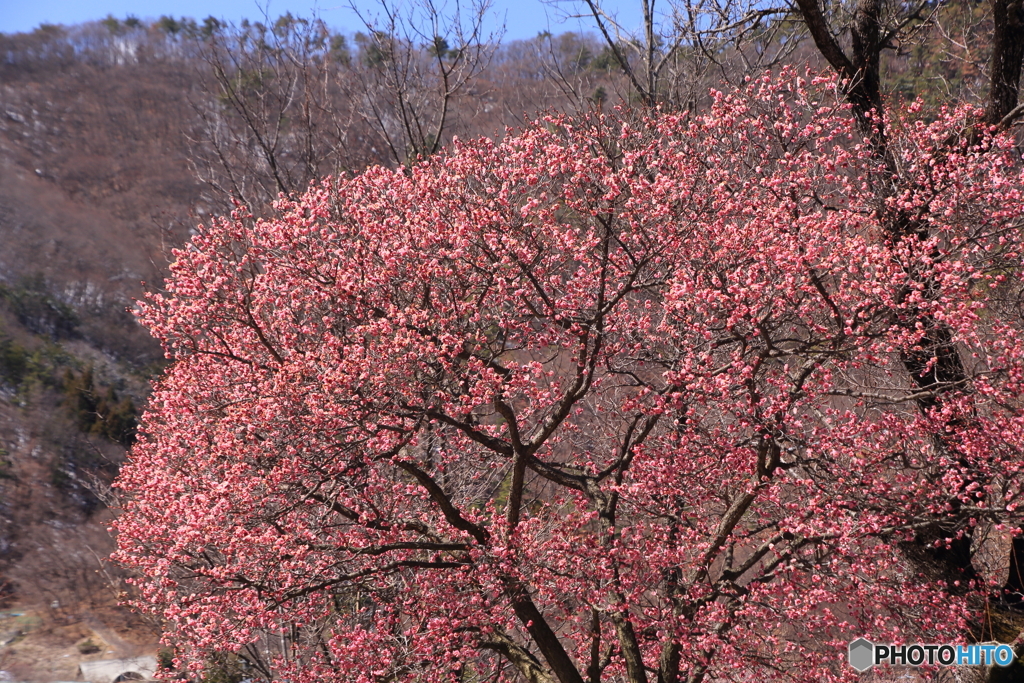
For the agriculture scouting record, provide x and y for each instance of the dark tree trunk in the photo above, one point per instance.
(1007, 54)
(861, 69)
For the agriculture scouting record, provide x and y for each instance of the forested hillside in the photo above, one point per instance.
(119, 137)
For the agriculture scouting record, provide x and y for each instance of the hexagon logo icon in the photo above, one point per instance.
(862, 654)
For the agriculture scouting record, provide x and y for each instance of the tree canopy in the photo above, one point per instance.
(661, 398)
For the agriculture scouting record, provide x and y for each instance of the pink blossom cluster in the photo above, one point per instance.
(605, 400)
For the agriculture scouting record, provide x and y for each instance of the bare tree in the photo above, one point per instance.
(283, 103)
(666, 60)
(268, 109)
(414, 63)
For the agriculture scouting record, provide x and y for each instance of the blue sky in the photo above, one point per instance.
(523, 18)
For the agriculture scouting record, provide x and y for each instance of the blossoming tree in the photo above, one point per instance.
(656, 401)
